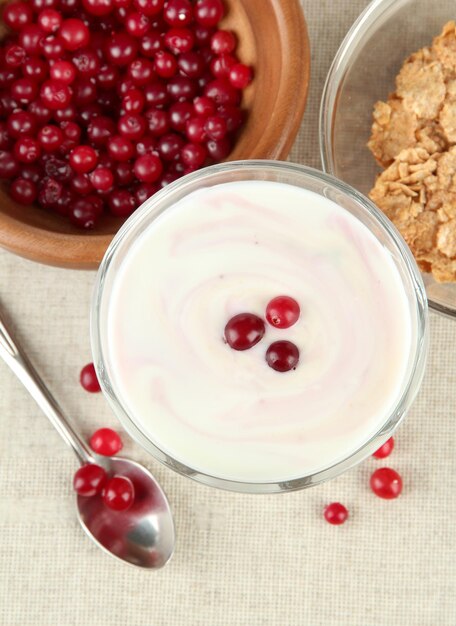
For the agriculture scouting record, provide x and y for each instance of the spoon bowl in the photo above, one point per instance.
(143, 535)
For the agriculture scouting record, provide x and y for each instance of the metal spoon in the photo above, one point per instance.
(144, 534)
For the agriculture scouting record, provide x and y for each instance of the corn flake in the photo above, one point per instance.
(414, 139)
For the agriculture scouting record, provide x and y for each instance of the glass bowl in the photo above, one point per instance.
(364, 71)
(300, 176)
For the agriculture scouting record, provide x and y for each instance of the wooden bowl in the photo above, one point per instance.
(273, 39)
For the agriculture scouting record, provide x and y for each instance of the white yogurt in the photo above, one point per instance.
(230, 249)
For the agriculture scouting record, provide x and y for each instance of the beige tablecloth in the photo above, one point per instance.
(240, 560)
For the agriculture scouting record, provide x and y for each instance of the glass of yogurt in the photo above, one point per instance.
(227, 240)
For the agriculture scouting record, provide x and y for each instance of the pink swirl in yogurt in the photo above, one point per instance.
(228, 249)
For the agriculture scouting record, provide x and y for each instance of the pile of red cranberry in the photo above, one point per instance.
(103, 102)
(385, 482)
(245, 330)
(118, 492)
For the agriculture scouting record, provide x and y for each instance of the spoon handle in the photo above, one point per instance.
(18, 362)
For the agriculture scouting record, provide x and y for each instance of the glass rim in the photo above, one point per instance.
(367, 18)
(408, 390)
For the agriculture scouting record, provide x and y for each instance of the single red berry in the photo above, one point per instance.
(63, 71)
(282, 312)
(24, 90)
(5, 136)
(49, 20)
(8, 104)
(120, 148)
(243, 331)
(124, 86)
(21, 123)
(81, 185)
(144, 191)
(203, 34)
(209, 12)
(23, 191)
(157, 121)
(55, 95)
(179, 40)
(156, 94)
(67, 114)
(223, 42)
(148, 168)
(191, 64)
(151, 43)
(121, 203)
(50, 138)
(133, 101)
(146, 145)
(335, 513)
(222, 92)
(84, 91)
(204, 106)
(386, 483)
(149, 7)
(219, 149)
(89, 480)
(74, 34)
(132, 126)
(168, 177)
(51, 192)
(16, 15)
(31, 38)
(240, 75)
(102, 179)
(108, 77)
(31, 172)
(83, 159)
(137, 24)
(87, 62)
(40, 5)
(106, 442)
(123, 174)
(27, 150)
(14, 56)
(165, 64)
(169, 146)
(52, 47)
(193, 155)
(385, 450)
(221, 65)
(98, 7)
(84, 213)
(282, 356)
(121, 49)
(42, 113)
(178, 12)
(216, 127)
(119, 493)
(35, 68)
(72, 135)
(9, 165)
(182, 88)
(195, 129)
(88, 378)
(57, 168)
(100, 130)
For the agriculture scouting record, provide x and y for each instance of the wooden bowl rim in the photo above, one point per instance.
(85, 251)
